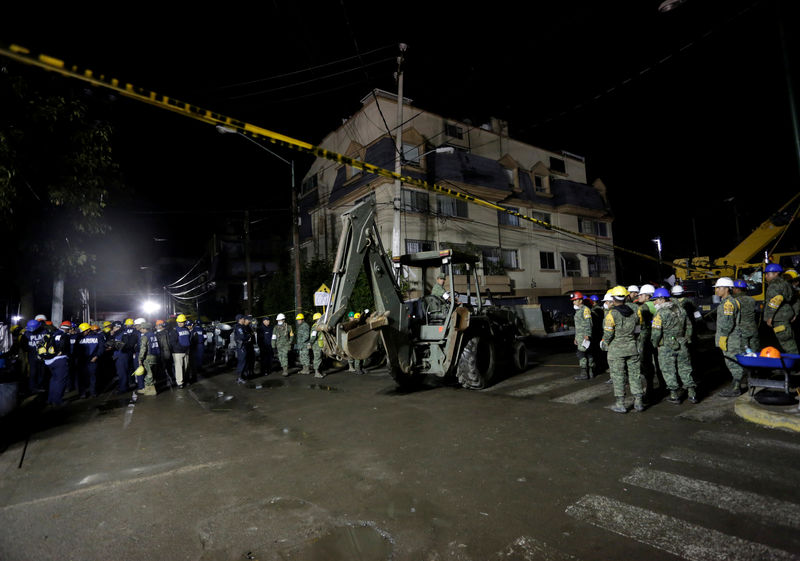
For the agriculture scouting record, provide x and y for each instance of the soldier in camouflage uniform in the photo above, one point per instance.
(149, 357)
(316, 344)
(647, 360)
(583, 337)
(623, 356)
(729, 334)
(778, 311)
(749, 317)
(282, 337)
(672, 330)
(303, 335)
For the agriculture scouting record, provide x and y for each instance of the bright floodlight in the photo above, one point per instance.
(150, 307)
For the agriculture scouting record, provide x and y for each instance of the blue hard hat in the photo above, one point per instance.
(661, 293)
(739, 283)
(773, 268)
(594, 298)
(32, 325)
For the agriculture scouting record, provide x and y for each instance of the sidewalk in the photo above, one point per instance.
(773, 416)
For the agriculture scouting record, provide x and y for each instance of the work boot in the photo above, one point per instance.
(305, 370)
(285, 371)
(148, 390)
(619, 406)
(582, 376)
(674, 397)
(318, 374)
(733, 391)
(693, 396)
(638, 403)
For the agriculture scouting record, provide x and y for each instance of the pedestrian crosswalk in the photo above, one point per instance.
(732, 475)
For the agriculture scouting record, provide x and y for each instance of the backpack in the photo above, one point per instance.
(46, 346)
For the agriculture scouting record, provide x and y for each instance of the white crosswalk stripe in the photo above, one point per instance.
(670, 534)
(732, 465)
(544, 387)
(517, 380)
(767, 509)
(585, 394)
(746, 441)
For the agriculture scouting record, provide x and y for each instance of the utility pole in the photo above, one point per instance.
(398, 156)
(298, 299)
(249, 284)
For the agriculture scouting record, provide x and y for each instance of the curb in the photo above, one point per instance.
(787, 417)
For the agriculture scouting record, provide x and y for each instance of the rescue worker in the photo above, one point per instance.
(315, 344)
(73, 366)
(438, 288)
(633, 292)
(197, 346)
(671, 333)
(302, 338)
(249, 347)
(583, 337)
(125, 341)
(282, 341)
(90, 345)
(264, 340)
(239, 336)
(778, 311)
(149, 357)
(165, 355)
(599, 311)
(31, 337)
(57, 362)
(179, 341)
(355, 364)
(646, 310)
(623, 356)
(748, 316)
(689, 307)
(729, 334)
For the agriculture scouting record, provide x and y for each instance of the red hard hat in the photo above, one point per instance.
(770, 352)
(576, 296)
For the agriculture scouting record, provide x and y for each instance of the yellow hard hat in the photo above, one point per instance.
(84, 327)
(356, 315)
(139, 371)
(106, 323)
(791, 273)
(181, 318)
(317, 316)
(300, 316)
(619, 292)
(129, 321)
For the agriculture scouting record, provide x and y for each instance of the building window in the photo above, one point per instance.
(510, 259)
(572, 264)
(415, 246)
(540, 183)
(598, 265)
(454, 131)
(415, 201)
(594, 227)
(447, 206)
(411, 154)
(557, 165)
(506, 219)
(309, 185)
(510, 176)
(547, 260)
(543, 216)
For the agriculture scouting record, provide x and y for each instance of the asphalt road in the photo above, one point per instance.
(348, 468)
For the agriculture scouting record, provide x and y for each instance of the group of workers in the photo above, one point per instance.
(70, 356)
(644, 333)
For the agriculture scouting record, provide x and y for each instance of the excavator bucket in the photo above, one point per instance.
(360, 342)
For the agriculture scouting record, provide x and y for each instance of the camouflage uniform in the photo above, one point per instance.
(729, 338)
(749, 323)
(623, 356)
(647, 366)
(302, 346)
(779, 309)
(672, 329)
(315, 344)
(583, 332)
(282, 342)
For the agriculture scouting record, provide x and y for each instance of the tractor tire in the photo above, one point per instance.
(476, 364)
(520, 356)
(405, 382)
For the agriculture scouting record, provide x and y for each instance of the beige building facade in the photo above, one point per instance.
(520, 259)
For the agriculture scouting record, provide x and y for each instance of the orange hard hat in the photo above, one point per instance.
(770, 352)
(576, 296)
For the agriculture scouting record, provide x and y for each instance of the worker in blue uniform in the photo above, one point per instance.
(91, 345)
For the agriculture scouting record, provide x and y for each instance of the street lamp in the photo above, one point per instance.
(298, 303)
(149, 307)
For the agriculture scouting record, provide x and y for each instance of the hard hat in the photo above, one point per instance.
(139, 321)
(41, 317)
(677, 290)
(661, 293)
(139, 371)
(608, 297)
(317, 316)
(351, 314)
(594, 298)
(66, 323)
(723, 282)
(84, 327)
(159, 322)
(770, 352)
(356, 316)
(280, 317)
(440, 276)
(106, 323)
(116, 324)
(773, 268)
(106, 330)
(299, 316)
(791, 273)
(619, 292)
(32, 325)
(129, 321)
(739, 283)
(576, 296)
(633, 288)
(646, 289)
(181, 318)
(95, 327)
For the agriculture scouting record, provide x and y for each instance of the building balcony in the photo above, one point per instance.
(593, 284)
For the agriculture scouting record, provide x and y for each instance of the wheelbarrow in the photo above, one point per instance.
(762, 372)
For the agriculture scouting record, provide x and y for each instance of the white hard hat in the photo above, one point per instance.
(608, 297)
(646, 289)
(41, 317)
(280, 317)
(723, 282)
(138, 321)
(677, 289)
(633, 288)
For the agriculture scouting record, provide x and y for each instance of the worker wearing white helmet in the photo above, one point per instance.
(729, 336)
(282, 337)
(633, 292)
(648, 363)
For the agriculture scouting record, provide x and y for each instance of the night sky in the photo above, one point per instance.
(675, 111)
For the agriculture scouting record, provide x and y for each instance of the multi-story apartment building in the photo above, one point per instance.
(520, 259)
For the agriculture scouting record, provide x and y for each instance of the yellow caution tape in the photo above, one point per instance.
(23, 55)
